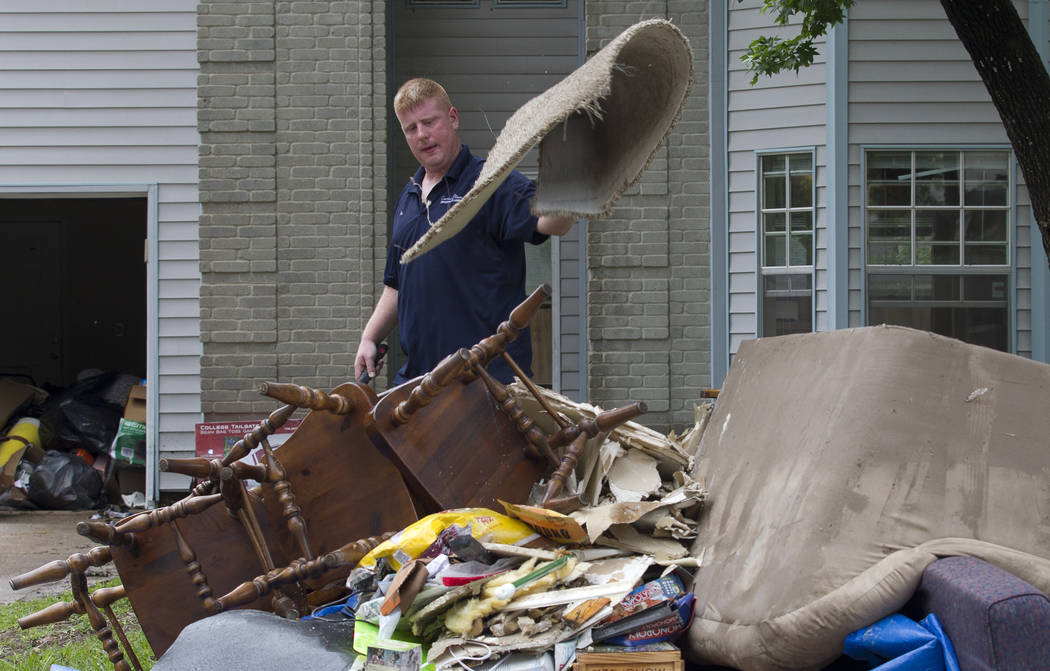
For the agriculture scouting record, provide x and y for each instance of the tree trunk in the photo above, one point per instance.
(1019, 85)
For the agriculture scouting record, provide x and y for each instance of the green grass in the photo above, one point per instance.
(69, 643)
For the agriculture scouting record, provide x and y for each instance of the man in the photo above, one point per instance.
(459, 292)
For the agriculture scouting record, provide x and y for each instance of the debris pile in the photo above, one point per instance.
(537, 586)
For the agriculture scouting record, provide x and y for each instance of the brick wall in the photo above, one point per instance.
(291, 112)
(648, 287)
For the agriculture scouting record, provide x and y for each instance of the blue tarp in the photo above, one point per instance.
(898, 643)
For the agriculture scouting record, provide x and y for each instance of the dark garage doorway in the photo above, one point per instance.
(74, 287)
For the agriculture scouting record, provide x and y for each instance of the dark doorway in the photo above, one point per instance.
(74, 282)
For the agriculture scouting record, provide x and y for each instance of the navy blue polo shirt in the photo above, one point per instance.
(460, 291)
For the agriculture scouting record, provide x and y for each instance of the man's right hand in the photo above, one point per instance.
(367, 352)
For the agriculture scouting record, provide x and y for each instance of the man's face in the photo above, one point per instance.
(431, 133)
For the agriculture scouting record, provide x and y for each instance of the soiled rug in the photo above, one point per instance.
(839, 465)
(598, 129)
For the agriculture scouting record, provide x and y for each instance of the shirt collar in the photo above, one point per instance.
(454, 171)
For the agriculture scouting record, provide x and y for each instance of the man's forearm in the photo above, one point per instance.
(553, 224)
(384, 317)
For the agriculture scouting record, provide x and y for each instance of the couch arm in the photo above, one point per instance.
(995, 620)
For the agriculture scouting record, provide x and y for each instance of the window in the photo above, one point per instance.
(786, 196)
(938, 248)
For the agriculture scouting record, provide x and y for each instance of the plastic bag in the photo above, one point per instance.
(484, 524)
(898, 643)
(65, 482)
(80, 416)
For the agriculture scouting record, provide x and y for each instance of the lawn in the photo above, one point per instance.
(70, 643)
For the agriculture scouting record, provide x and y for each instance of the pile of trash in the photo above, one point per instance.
(535, 587)
(72, 448)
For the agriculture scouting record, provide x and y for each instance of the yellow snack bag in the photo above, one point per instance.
(486, 526)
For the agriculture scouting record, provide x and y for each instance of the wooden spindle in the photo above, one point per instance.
(196, 467)
(293, 514)
(602, 423)
(245, 471)
(431, 385)
(536, 393)
(509, 405)
(305, 397)
(58, 569)
(238, 503)
(98, 622)
(243, 447)
(118, 629)
(298, 571)
(100, 532)
(568, 462)
(491, 347)
(56, 612)
(191, 505)
(193, 567)
(580, 432)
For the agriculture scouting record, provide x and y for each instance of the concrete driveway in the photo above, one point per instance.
(29, 539)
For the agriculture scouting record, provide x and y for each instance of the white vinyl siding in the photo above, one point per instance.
(912, 84)
(780, 113)
(104, 93)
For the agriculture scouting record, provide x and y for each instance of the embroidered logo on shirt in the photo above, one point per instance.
(450, 199)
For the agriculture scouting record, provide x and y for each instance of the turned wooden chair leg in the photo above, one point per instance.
(58, 569)
(447, 370)
(191, 505)
(104, 599)
(293, 514)
(578, 434)
(243, 447)
(305, 397)
(510, 407)
(97, 621)
(299, 570)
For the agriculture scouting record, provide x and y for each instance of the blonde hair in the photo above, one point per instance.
(416, 91)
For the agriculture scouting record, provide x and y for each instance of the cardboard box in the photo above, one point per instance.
(135, 408)
(670, 660)
(129, 445)
(130, 479)
(214, 439)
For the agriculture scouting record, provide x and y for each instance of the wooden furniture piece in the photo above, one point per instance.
(455, 443)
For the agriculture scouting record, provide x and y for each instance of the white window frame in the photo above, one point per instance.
(962, 269)
(765, 270)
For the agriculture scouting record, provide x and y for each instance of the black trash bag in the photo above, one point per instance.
(15, 496)
(80, 416)
(65, 482)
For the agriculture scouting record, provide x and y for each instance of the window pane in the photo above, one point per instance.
(787, 304)
(973, 308)
(776, 250)
(985, 287)
(985, 255)
(937, 288)
(889, 287)
(801, 180)
(802, 221)
(889, 175)
(801, 249)
(773, 195)
(936, 178)
(987, 178)
(773, 163)
(986, 226)
(889, 237)
(774, 222)
(936, 237)
(979, 326)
